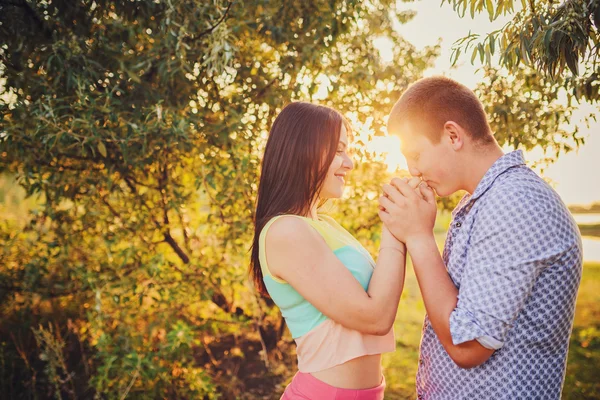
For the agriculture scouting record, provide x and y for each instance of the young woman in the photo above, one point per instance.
(338, 304)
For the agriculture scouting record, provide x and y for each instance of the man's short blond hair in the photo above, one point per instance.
(436, 100)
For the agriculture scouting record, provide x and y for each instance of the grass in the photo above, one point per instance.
(400, 367)
(590, 229)
(583, 364)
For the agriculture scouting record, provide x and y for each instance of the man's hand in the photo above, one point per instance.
(408, 212)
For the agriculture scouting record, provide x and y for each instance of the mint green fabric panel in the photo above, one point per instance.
(356, 263)
(301, 316)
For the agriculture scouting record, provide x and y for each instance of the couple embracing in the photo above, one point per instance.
(500, 299)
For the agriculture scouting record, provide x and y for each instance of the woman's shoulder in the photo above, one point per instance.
(286, 224)
(287, 227)
(286, 239)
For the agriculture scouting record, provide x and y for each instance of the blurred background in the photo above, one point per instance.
(131, 135)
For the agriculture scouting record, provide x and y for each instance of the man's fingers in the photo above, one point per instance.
(427, 193)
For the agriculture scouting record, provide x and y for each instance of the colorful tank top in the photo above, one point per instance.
(321, 342)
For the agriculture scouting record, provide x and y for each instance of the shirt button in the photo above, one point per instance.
(458, 225)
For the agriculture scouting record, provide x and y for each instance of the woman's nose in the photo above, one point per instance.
(348, 163)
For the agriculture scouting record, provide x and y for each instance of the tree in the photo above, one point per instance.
(525, 111)
(140, 125)
(557, 38)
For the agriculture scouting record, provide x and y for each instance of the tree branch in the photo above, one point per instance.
(162, 185)
(50, 293)
(178, 250)
(212, 28)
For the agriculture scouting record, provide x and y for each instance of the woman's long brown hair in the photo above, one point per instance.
(301, 146)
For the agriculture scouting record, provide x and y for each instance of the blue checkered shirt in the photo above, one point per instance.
(514, 252)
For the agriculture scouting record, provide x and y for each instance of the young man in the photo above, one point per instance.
(500, 300)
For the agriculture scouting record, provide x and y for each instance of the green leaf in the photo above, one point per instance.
(481, 52)
(547, 39)
(490, 9)
(457, 54)
(523, 49)
(572, 59)
(102, 149)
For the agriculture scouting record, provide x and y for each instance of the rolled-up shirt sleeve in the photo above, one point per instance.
(510, 245)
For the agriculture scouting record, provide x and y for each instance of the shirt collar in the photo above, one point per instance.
(504, 163)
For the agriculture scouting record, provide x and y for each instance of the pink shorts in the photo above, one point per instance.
(307, 387)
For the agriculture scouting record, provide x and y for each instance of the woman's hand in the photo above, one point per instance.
(408, 213)
(389, 241)
(413, 182)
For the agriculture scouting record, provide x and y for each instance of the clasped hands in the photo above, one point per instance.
(408, 209)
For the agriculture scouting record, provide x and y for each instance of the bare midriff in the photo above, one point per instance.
(359, 373)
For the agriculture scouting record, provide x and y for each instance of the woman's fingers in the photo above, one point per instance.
(386, 203)
(384, 216)
(392, 193)
(414, 182)
(403, 188)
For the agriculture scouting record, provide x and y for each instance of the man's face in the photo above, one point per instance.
(434, 163)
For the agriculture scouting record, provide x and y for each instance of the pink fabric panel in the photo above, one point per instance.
(331, 344)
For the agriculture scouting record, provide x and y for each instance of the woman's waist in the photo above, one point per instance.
(331, 344)
(359, 373)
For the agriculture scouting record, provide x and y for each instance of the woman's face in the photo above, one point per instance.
(333, 187)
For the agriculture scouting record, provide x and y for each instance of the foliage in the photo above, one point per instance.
(135, 130)
(558, 39)
(583, 209)
(525, 111)
(590, 229)
(139, 125)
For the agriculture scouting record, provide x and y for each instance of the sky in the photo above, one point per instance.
(572, 175)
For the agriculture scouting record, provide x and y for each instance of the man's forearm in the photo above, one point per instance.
(440, 297)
